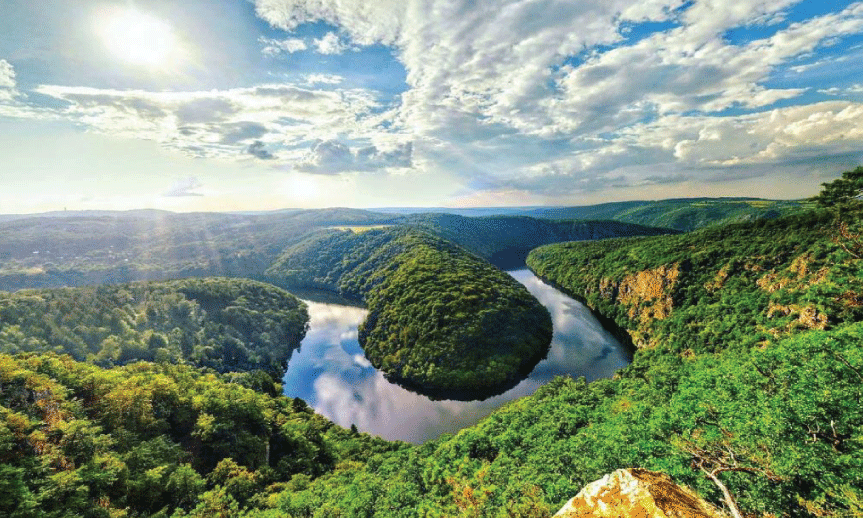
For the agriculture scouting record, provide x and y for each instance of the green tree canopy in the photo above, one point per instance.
(846, 189)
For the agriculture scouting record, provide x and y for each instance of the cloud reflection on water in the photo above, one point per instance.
(331, 373)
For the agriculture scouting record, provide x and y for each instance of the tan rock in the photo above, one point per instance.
(637, 493)
(648, 292)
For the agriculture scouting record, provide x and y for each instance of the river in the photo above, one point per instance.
(332, 375)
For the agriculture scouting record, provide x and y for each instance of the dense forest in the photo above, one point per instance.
(748, 379)
(223, 324)
(728, 287)
(506, 240)
(155, 440)
(684, 214)
(746, 386)
(441, 320)
(79, 249)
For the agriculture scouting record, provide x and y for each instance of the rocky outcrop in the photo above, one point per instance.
(647, 295)
(637, 493)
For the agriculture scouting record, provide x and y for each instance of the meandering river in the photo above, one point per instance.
(332, 375)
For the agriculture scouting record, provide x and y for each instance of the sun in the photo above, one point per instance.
(137, 37)
(302, 188)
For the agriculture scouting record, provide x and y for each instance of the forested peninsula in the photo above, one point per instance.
(746, 386)
(441, 320)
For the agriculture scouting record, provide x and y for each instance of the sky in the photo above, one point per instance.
(239, 105)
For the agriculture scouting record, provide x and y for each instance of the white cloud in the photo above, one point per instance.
(330, 44)
(267, 121)
(854, 89)
(7, 81)
(273, 47)
(334, 157)
(324, 79)
(488, 81)
(185, 187)
(476, 70)
(702, 149)
(7, 75)
(515, 98)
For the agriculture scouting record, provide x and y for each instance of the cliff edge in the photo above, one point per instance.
(637, 493)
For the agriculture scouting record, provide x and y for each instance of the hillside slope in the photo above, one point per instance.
(732, 286)
(441, 320)
(152, 440)
(684, 214)
(223, 324)
(507, 239)
(728, 382)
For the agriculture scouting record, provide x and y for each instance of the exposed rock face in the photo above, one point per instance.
(637, 493)
(647, 295)
(649, 286)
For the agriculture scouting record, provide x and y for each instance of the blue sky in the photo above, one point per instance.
(268, 104)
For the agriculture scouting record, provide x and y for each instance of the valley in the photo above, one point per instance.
(166, 398)
(330, 371)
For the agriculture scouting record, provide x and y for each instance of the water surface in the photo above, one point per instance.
(332, 375)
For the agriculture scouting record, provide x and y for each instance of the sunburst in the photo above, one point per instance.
(138, 38)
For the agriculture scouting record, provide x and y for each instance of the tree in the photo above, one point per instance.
(847, 189)
(719, 456)
(845, 195)
(185, 484)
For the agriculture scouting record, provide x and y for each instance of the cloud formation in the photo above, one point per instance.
(333, 157)
(330, 44)
(7, 81)
(184, 187)
(259, 151)
(511, 101)
(273, 47)
(481, 73)
(225, 124)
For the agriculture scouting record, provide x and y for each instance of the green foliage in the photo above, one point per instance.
(789, 415)
(735, 286)
(846, 189)
(750, 368)
(102, 247)
(223, 324)
(685, 214)
(441, 321)
(79, 440)
(497, 237)
(751, 394)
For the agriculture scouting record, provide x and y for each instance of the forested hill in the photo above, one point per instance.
(746, 388)
(441, 320)
(75, 249)
(154, 440)
(223, 324)
(115, 247)
(748, 380)
(731, 286)
(505, 239)
(684, 214)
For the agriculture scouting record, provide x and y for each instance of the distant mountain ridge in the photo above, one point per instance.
(684, 214)
(116, 247)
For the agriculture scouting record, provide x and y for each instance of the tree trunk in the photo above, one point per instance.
(726, 494)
